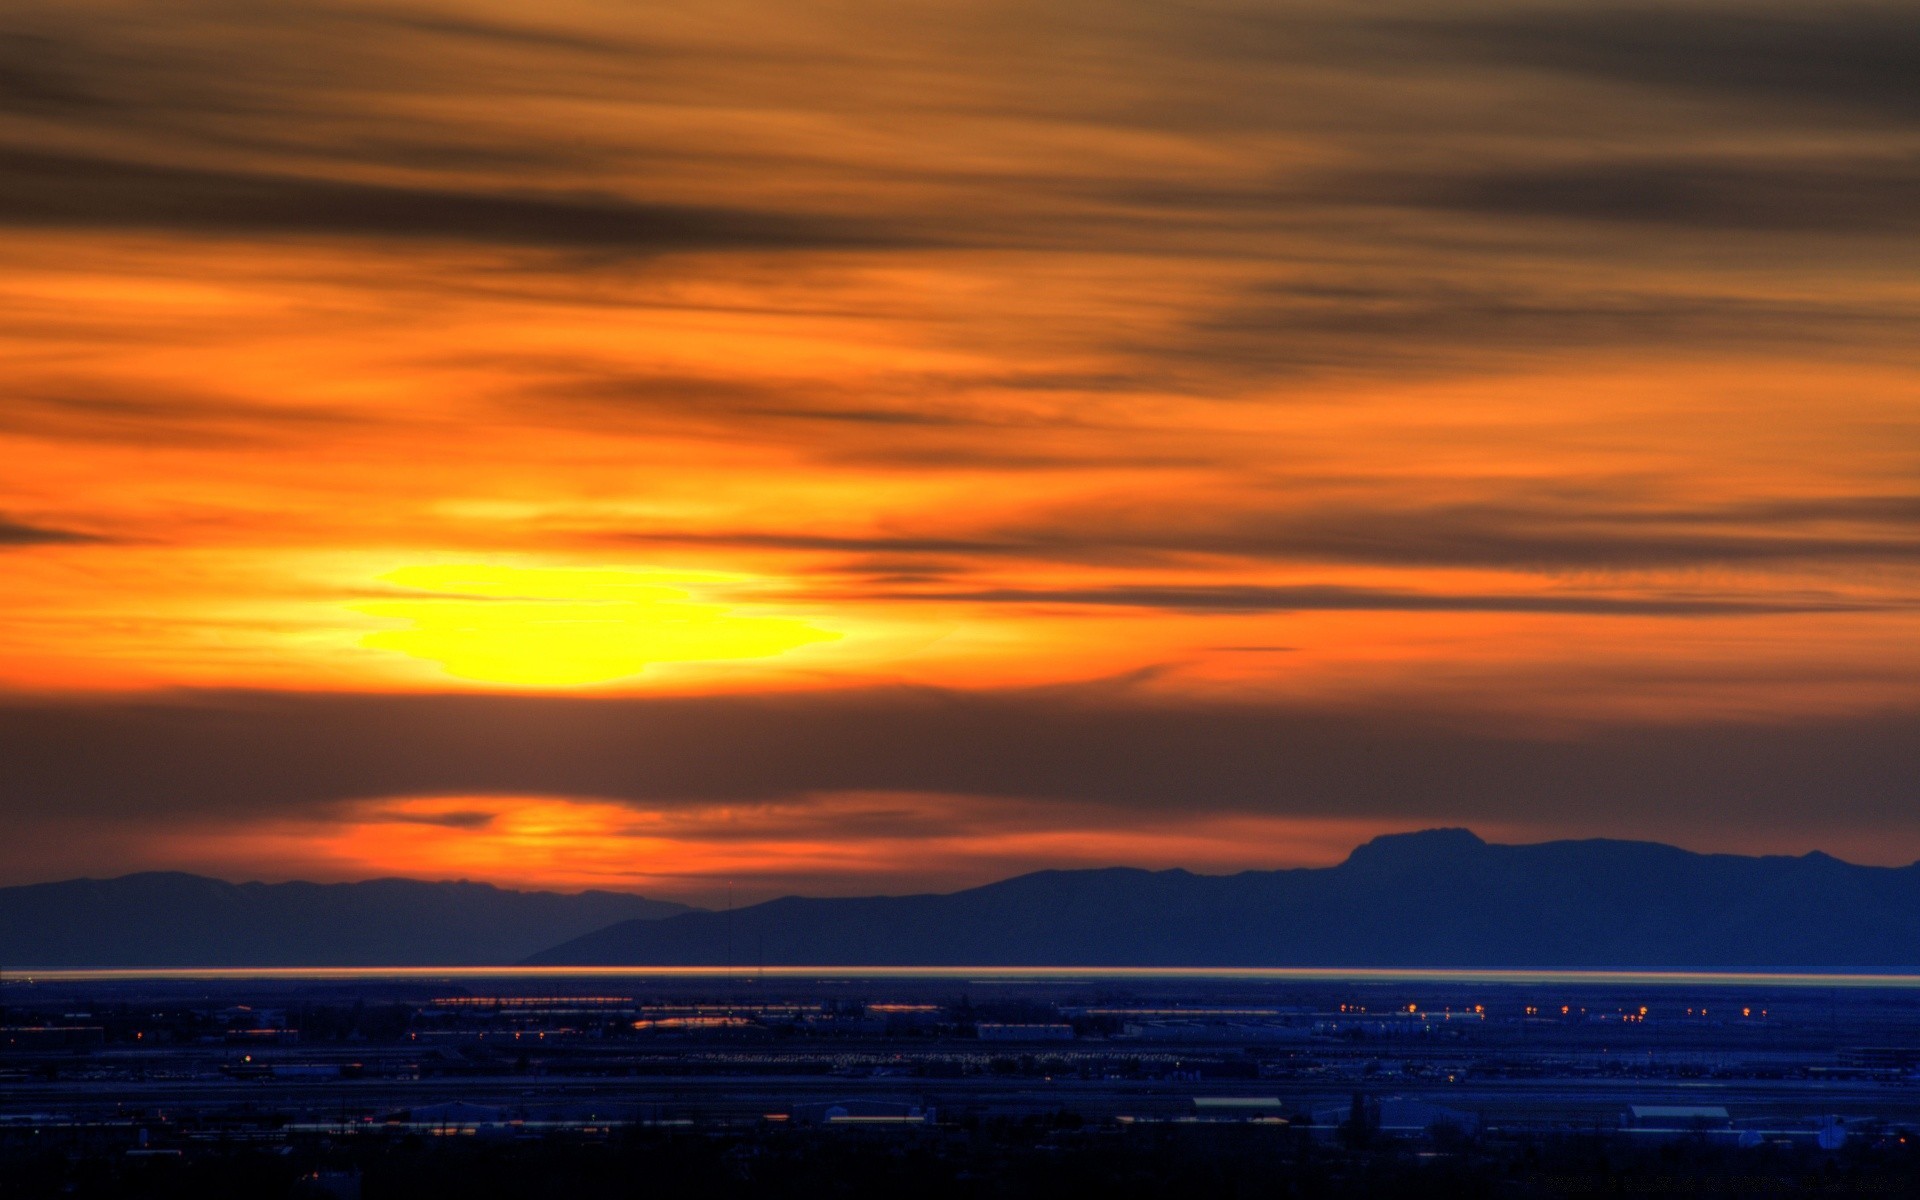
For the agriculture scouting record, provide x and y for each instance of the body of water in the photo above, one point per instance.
(995, 974)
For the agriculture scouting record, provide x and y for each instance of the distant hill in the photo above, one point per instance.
(1442, 898)
(174, 920)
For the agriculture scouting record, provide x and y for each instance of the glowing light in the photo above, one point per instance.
(884, 840)
(557, 627)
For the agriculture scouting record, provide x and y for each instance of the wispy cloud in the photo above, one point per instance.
(1859, 197)
(16, 533)
(1834, 63)
(1534, 531)
(62, 191)
(1522, 362)
(803, 774)
(1249, 598)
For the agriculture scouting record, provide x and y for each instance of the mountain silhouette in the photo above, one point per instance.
(166, 919)
(1435, 899)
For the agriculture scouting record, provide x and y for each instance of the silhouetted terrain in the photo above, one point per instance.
(166, 919)
(1442, 898)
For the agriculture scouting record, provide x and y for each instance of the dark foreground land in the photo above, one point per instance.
(587, 1087)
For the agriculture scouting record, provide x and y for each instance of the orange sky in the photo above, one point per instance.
(1535, 369)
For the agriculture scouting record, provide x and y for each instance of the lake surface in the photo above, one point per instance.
(1000, 975)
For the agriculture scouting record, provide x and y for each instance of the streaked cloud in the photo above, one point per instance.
(59, 191)
(1549, 366)
(1832, 62)
(1859, 197)
(775, 791)
(15, 533)
(1242, 598)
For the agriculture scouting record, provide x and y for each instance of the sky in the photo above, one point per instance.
(859, 446)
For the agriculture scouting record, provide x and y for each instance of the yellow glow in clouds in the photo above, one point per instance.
(556, 627)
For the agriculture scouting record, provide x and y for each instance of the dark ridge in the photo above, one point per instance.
(168, 919)
(1435, 899)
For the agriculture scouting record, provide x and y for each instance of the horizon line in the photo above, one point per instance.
(1808, 978)
(534, 888)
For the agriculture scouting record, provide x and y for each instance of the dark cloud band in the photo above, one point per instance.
(1525, 532)
(258, 755)
(1857, 58)
(1242, 598)
(1857, 197)
(14, 533)
(71, 191)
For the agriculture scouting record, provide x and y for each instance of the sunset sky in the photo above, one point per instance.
(860, 446)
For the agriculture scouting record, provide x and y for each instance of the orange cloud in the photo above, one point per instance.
(847, 843)
(1277, 355)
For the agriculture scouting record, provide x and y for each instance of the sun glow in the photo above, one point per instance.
(954, 400)
(560, 627)
(851, 841)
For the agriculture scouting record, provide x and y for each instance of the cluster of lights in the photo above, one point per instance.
(1478, 1010)
(1531, 1010)
(657, 1011)
(692, 1023)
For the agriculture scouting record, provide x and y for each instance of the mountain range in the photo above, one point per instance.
(1438, 898)
(1435, 899)
(166, 919)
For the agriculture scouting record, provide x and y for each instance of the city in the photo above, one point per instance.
(344, 1085)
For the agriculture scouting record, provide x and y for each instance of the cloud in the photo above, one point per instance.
(1537, 531)
(1359, 324)
(721, 403)
(77, 409)
(1152, 288)
(1248, 598)
(1297, 138)
(248, 756)
(455, 819)
(51, 190)
(861, 842)
(1857, 197)
(1851, 59)
(1548, 536)
(306, 77)
(15, 533)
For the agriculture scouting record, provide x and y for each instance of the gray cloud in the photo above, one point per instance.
(853, 545)
(294, 77)
(723, 402)
(1356, 324)
(256, 755)
(15, 533)
(85, 410)
(73, 191)
(1557, 537)
(273, 92)
(1852, 57)
(451, 820)
(1243, 598)
(1856, 196)
(1526, 532)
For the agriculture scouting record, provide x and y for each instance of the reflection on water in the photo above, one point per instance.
(993, 974)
